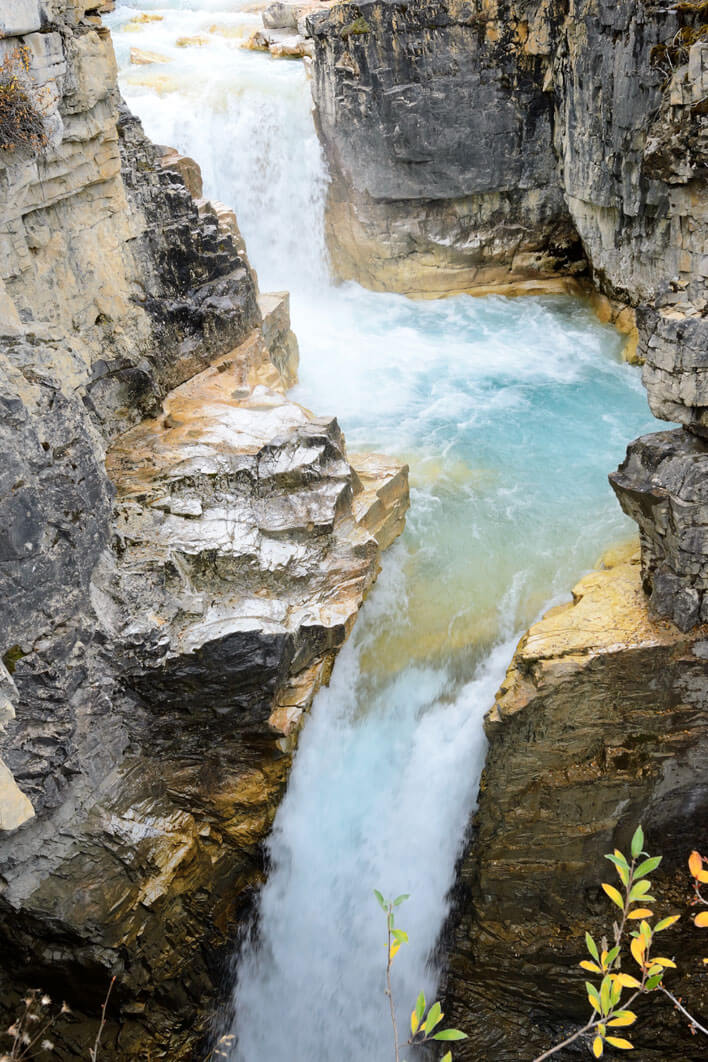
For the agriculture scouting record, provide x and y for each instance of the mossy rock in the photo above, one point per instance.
(355, 28)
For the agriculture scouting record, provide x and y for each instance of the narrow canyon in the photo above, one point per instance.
(322, 327)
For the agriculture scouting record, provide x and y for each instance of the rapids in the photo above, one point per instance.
(510, 413)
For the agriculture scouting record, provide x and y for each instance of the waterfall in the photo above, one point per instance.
(509, 412)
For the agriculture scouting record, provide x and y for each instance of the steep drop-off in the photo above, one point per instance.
(175, 588)
(510, 146)
(600, 723)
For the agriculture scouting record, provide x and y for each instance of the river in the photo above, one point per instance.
(511, 412)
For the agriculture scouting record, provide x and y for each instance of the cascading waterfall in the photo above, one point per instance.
(510, 413)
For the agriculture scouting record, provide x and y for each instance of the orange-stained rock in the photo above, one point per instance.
(599, 723)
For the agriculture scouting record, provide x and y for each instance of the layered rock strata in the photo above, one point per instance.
(495, 146)
(439, 138)
(479, 145)
(600, 723)
(182, 553)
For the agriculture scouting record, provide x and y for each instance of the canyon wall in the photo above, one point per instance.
(601, 723)
(508, 146)
(182, 553)
(511, 146)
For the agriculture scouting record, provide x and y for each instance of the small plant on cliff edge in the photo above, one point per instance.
(610, 1012)
(31, 1031)
(22, 124)
(422, 1024)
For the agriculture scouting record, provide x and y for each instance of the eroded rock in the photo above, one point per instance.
(168, 621)
(600, 723)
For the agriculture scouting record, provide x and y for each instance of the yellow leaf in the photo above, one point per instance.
(617, 1041)
(638, 947)
(640, 912)
(666, 922)
(695, 865)
(394, 948)
(591, 966)
(597, 1046)
(701, 919)
(665, 962)
(414, 1022)
(614, 894)
(627, 981)
(625, 1018)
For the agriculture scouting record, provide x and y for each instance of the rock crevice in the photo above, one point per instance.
(183, 551)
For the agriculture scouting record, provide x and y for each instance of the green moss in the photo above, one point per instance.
(355, 28)
(11, 658)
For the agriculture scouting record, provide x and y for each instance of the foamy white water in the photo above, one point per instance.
(511, 413)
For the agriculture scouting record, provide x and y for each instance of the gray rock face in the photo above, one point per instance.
(663, 485)
(440, 146)
(561, 115)
(175, 589)
(600, 723)
(472, 144)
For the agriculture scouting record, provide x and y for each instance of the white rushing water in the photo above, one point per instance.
(511, 413)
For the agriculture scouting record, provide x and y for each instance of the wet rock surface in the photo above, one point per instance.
(504, 146)
(599, 723)
(439, 138)
(517, 139)
(182, 553)
(663, 485)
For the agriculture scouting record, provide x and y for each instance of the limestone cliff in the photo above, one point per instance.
(504, 145)
(508, 145)
(182, 553)
(487, 143)
(496, 145)
(600, 723)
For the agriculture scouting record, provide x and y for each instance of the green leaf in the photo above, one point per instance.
(450, 1034)
(606, 994)
(614, 895)
(400, 935)
(654, 981)
(622, 868)
(666, 922)
(640, 889)
(637, 842)
(615, 993)
(379, 897)
(434, 1016)
(447, 1057)
(592, 947)
(420, 1007)
(612, 955)
(593, 996)
(647, 867)
(399, 899)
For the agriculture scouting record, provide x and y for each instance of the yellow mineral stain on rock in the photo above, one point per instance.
(146, 16)
(198, 41)
(608, 615)
(236, 32)
(140, 57)
(15, 807)
(623, 317)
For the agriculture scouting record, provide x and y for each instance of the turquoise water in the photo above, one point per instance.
(511, 413)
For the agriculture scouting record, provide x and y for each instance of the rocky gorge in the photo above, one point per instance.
(183, 552)
(185, 549)
(514, 147)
